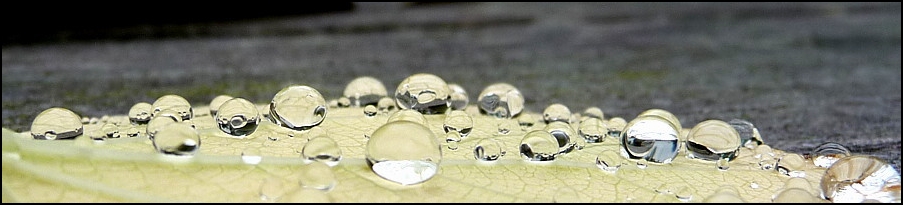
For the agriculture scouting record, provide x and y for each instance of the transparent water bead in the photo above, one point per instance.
(385, 105)
(651, 138)
(749, 134)
(318, 176)
(501, 100)
(218, 101)
(140, 113)
(425, 93)
(404, 152)
(609, 161)
(792, 165)
(503, 127)
(451, 140)
(177, 139)
(176, 103)
(858, 178)
(408, 115)
(827, 153)
(251, 155)
(298, 107)
(363, 91)
(593, 130)
(459, 97)
(594, 112)
(556, 112)
(488, 150)
(459, 121)
(665, 115)
(526, 121)
(56, 123)
(323, 149)
(615, 126)
(110, 130)
(565, 136)
(713, 140)
(539, 145)
(344, 102)
(238, 117)
(370, 111)
(158, 123)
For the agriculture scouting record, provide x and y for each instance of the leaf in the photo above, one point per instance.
(129, 170)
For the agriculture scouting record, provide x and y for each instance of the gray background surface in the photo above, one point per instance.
(803, 73)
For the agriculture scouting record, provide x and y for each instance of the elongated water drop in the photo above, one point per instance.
(488, 150)
(217, 102)
(323, 149)
(404, 152)
(56, 123)
(238, 117)
(609, 161)
(749, 134)
(501, 100)
(140, 113)
(556, 112)
(539, 145)
(713, 140)
(176, 103)
(177, 139)
(385, 105)
(593, 130)
(827, 153)
(363, 91)
(425, 93)
(651, 138)
(318, 176)
(459, 97)
(859, 178)
(298, 107)
(459, 121)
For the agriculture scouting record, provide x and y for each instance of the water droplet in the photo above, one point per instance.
(665, 115)
(323, 149)
(251, 156)
(593, 130)
(767, 163)
(110, 130)
(451, 140)
(298, 107)
(408, 115)
(272, 189)
(763, 151)
(318, 176)
(56, 123)
(594, 112)
(333, 103)
(136, 131)
(684, 193)
(238, 117)
(176, 103)
(539, 145)
(404, 152)
(140, 113)
(827, 153)
(749, 134)
(459, 121)
(425, 93)
(713, 140)
(488, 150)
(86, 120)
(503, 127)
(609, 161)
(642, 163)
(217, 102)
(794, 195)
(526, 121)
(363, 91)
(615, 126)
(385, 105)
(459, 97)
(723, 164)
(501, 100)
(177, 139)
(792, 165)
(556, 112)
(650, 137)
(344, 102)
(157, 123)
(370, 111)
(564, 135)
(725, 194)
(858, 178)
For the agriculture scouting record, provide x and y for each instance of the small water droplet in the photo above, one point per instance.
(333, 103)
(177, 139)
(110, 130)
(238, 117)
(425, 93)
(272, 189)
(827, 153)
(642, 163)
(651, 138)
(298, 107)
(794, 195)
(556, 112)
(526, 121)
(251, 156)
(56, 123)
(749, 134)
(609, 161)
(363, 91)
(539, 145)
(323, 149)
(501, 100)
(753, 185)
(217, 102)
(713, 140)
(503, 128)
(723, 164)
(615, 126)
(404, 152)
(792, 164)
(140, 113)
(564, 135)
(593, 130)
(459, 97)
(724, 194)
(385, 105)
(408, 115)
(488, 150)
(370, 111)
(451, 140)
(684, 193)
(318, 176)
(344, 102)
(459, 121)
(858, 178)
(594, 112)
(176, 103)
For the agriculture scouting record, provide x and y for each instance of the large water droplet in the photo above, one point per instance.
(539, 145)
(565, 136)
(56, 123)
(792, 165)
(363, 91)
(317, 175)
(323, 149)
(404, 152)
(713, 140)
(176, 103)
(177, 139)
(217, 102)
(298, 107)
(650, 137)
(408, 115)
(385, 105)
(556, 112)
(501, 100)
(487, 150)
(615, 126)
(857, 178)
(827, 153)
(140, 113)
(593, 130)
(609, 161)
(594, 112)
(459, 97)
(238, 117)
(370, 110)
(459, 121)
(425, 93)
(749, 134)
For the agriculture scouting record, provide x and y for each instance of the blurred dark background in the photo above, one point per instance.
(803, 73)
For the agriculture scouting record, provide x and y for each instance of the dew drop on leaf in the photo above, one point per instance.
(651, 138)
(593, 130)
(56, 123)
(363, 91)
(298, 107)
(487, 150)
(425, 93)
(609, 161)
(459, 121)
(238, 117)
(217, 102)
(385, 105)
(140, 113)
(556, 113)
(459, 97)
(501, 100)
(403, 152)
(322, 149)
(565, 136)
(539, 145)
(176, 103)
(177, 139)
